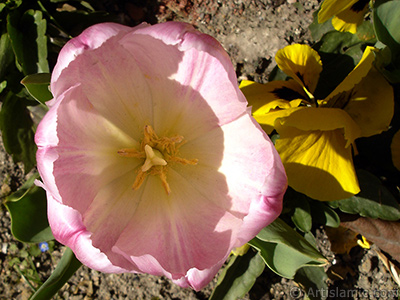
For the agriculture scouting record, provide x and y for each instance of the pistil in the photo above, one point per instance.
(158, 154)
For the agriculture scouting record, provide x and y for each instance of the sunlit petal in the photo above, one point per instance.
(273, 100)
(330, 8)
(317, 163)
(371, 104)
(354, 77)
(302, 63)
(349, 19)
(168, 95)
(322, 119)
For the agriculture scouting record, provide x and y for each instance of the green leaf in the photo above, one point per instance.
(317, 30)
(238, 276)
(67, 266)
(284, 250)
(301, 215)
(387, 23)
(29, 41)
(383, 62)
(6, 55)
(38, 86)
(277, 74)
(17, 130)
(392, 75)
(313, 282)
(324, 215)
(340, 52)
(28, 211)
(374, 200)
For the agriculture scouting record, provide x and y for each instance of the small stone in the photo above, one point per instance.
(365, 266)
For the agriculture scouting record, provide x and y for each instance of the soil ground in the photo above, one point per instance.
(251, 31)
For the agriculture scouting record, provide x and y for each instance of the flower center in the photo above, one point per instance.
(157, 153)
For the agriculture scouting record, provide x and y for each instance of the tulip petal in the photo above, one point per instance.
(67, 227)
(302, 63)
(178, 219)
(91, 38)
(225, 180)
(87, 151)
(125, 97)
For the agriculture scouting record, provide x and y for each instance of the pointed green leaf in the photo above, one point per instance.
(238, 276)
(28, 211)
(387, 23)
(28, 38)
(6, 55)
(38, 86)
(17, 130)
(340, 52)
(374, 200)
(284, 250)
(302, 215)
(67, 266)
(317, 30)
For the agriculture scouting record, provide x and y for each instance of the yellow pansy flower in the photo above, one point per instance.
(316, 136)
(347, 14)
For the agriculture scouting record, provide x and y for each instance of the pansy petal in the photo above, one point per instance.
(268, 120)
(354, 77)
(302, 63)
(314, 145)
(272, 100)
(259, 95)
(371, 104)
(330, 8)
(317, 163)
(322, 119)
(349, 19)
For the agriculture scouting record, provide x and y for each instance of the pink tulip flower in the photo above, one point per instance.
(149, 156)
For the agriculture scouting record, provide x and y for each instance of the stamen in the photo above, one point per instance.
(164, 182)
(139, 180)
(184, 161)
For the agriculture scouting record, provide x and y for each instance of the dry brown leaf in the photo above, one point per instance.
(342, 239)
(385, 234)
(391, 267)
